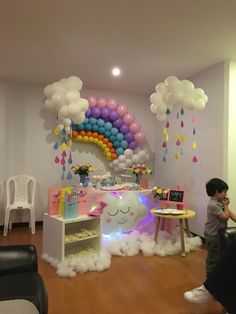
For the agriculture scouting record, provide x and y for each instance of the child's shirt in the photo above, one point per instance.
(214, 223)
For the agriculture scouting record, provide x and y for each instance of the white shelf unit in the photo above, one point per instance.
(55, 229)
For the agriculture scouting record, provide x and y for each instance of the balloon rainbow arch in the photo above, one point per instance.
(109, 125)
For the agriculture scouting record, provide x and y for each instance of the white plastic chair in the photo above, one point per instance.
(20, 195)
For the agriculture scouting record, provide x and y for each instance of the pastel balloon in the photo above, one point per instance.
(101, 102)
(92, 101)
(112, 138)
(113, 115)
(88, 112)
(88, 127)
(118, 123)
(128, 118)
(92, 120)
(116, 144)
(80, 127)
(122, 110)
(95, 127)
(96, 111)
(114, 131)
(108, 126)
(139, 138)
(124, 144)
(120, 137)
(112, 103)
(100, 122)
(129, 137)
(128, 153)
(134, 127)
(107, 134)
(105, 113)
(120, 151)
(102, 130)
(133, 145)
(124, 128)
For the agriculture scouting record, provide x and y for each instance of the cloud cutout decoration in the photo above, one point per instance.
(128, 158)
(174, 92)
(122, 212)
(64, 97)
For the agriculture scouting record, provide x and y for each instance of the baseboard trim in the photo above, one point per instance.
(23, 224)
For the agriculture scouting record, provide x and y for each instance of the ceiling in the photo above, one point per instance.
(45, 40)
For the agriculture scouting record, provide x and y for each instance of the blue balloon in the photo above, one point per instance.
(100, 122)
(88, 127)
(108, 126)
(114, 131)
(86, 121)
(112, 138)
(107, 134)
(92, 120)
(124, 144)
(101, 130)
(120, 151)
(80, 127)
(120, 137)
(95, 127)
(116, 144)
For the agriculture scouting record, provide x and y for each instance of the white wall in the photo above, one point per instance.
(209, 138)
(26, 134)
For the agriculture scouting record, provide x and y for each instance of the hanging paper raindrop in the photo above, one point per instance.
(55, 146)
(62, 177)
(164, 145)
(164, 158)
(177, 156)
(178, 142)
(57, 160)
(168, 111)
(182, 124)
(167, 137)
(63, 161)
(63, 154)
(64, 168)
(182, 151)
(167, 124)
(69, 175)
(166, 151)
(177, 115)
(195, 159)
(194, 145)
(194, 131)
(182, 111)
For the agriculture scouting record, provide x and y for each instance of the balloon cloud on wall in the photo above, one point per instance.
(63, 97)
(173, 92)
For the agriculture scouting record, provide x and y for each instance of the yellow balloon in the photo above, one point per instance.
(79, 138)
(90, 139)
(107, 150)
(86, 138)
(100, 143)
(96, 140)
(108, 155)
(104, 146)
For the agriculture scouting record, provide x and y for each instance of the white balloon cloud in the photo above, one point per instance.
(64, 97)
(174, 92)
(130, 157)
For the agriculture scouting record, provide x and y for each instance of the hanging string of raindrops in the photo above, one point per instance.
(64, 142)
(179, 139)
(194, 144)
(166, 138)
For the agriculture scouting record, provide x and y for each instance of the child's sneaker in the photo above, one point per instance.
(198, 295)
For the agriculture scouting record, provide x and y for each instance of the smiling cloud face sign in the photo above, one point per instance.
(122, 212)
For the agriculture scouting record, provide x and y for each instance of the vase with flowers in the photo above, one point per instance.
(83, 170)
(139, 170)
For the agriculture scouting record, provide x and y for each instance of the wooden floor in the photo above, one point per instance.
(132, 285)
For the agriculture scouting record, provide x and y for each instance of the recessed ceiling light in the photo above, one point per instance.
(116, 71)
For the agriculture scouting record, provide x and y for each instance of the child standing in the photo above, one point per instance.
(218, 214)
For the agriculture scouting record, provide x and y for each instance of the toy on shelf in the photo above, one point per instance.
(83, 170)
(169, 197)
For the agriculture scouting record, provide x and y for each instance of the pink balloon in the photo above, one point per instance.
(112, 103)
(101, 102)
(134, 127)
(122, 110)
(128, 118)
(92, 101)
(139, 138)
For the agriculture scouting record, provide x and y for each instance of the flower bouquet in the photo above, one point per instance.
(160, 193)
(83, 170)
(140, 170)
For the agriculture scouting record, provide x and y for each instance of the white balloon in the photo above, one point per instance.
(83, 103)
(73, 109)
(49, 105)
(122, 166)
(205, 98)
(136, 159)
(147, 156)
(161, 117)
(128, 153)
(156, 97)
(79, 118)
(153, 108)
(72, 96)
(142, 153)
(116, 169)
(121, 158)
(60, 127)
(64, 111)
(115, 162)
(68, 129)
(161, 87)
(199, 104)
(171, 81)
(75, 83)
(67, 122)
(48, 91)
(186, 84)
(161, 108)
(128, 162)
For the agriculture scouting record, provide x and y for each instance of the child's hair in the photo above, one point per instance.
(216, 185)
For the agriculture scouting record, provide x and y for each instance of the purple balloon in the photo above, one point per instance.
(96, 111)
(113, 115)
(124, 128)
(88, 112)
(105, 113)
(118, 123)
(129, 137)
(133, 145)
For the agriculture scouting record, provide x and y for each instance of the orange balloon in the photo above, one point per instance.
(112, 150)
(89, 133)
(100, 137)
(95, 134)
(114, 156)
(74, 133)
(109, 145)
(105, 140)
(82, 133)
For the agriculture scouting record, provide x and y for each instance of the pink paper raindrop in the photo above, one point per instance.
(167, 124)
(182, 124)
(63, 161)
(63, 154)
(57, 160)
(164, 145)
(195, 159)
(178, 143)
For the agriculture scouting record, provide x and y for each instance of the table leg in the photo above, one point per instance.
(187, 228)
(157, 228)
(163, 224)
(181, 229)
